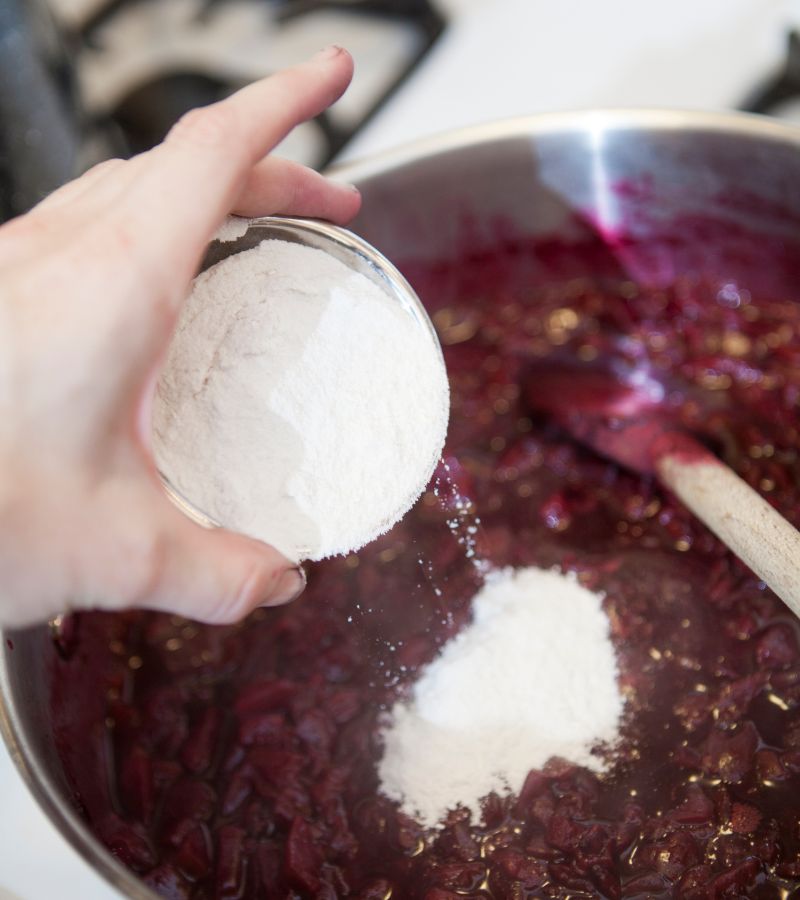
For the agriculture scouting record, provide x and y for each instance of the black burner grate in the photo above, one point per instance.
(781, 90)
(150, 105)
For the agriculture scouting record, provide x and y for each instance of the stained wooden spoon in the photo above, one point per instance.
(617, 410)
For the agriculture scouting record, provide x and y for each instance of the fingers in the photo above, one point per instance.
(135, 549)
(168, 202)
(194, 179)
(280, 187)
(211, 575)
(117, 542)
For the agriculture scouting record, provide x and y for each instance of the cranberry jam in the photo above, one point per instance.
(240, 762)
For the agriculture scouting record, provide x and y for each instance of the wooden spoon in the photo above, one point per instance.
(618, 411)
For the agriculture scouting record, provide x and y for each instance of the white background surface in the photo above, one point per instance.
(506, 58)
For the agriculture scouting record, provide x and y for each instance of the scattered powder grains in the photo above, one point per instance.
(532, 677)
(299, 403)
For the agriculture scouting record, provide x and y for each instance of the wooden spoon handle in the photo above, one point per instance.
(740, 517)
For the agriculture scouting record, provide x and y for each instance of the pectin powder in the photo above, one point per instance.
(299, 403)
(534, 676)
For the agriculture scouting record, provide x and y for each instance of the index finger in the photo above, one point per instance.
(191, 181)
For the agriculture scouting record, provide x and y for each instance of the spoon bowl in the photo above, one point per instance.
(618, 411)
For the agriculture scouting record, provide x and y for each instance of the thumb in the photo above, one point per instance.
(209, 574)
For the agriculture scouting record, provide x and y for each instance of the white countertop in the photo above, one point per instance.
(516, 57)
(510, 57)
(36, 863)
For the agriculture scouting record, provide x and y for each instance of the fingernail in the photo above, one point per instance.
(354, 189)
(328, 53)
(292, 583)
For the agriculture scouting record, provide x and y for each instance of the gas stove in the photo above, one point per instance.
(422, 68)
(142, 63)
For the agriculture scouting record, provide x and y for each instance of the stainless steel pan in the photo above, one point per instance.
(566, 174)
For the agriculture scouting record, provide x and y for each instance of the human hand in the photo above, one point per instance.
(92, 281)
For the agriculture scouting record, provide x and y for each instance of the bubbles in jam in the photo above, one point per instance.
(239, 762)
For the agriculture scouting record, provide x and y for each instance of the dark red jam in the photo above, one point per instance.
(241, 762)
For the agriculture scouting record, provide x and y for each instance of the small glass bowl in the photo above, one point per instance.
(343, 245)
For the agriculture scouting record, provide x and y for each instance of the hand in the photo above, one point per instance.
(91, 282)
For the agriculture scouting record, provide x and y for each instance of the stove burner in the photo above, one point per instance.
(144, 63)
(780, 94)
(40, 123)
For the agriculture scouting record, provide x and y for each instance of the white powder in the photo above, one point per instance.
(299, 403)
(232, 228)
(532, 677)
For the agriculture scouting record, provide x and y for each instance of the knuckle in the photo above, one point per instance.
(121, 236)
(227, 610)
(290, 196)
(37, 235)
(114, 246)
(245, 594)
(146, 566)
(107, 165)
(209, 126)
(32, 226)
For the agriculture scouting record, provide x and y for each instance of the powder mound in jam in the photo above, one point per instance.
(533, 676)
(241, 762)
